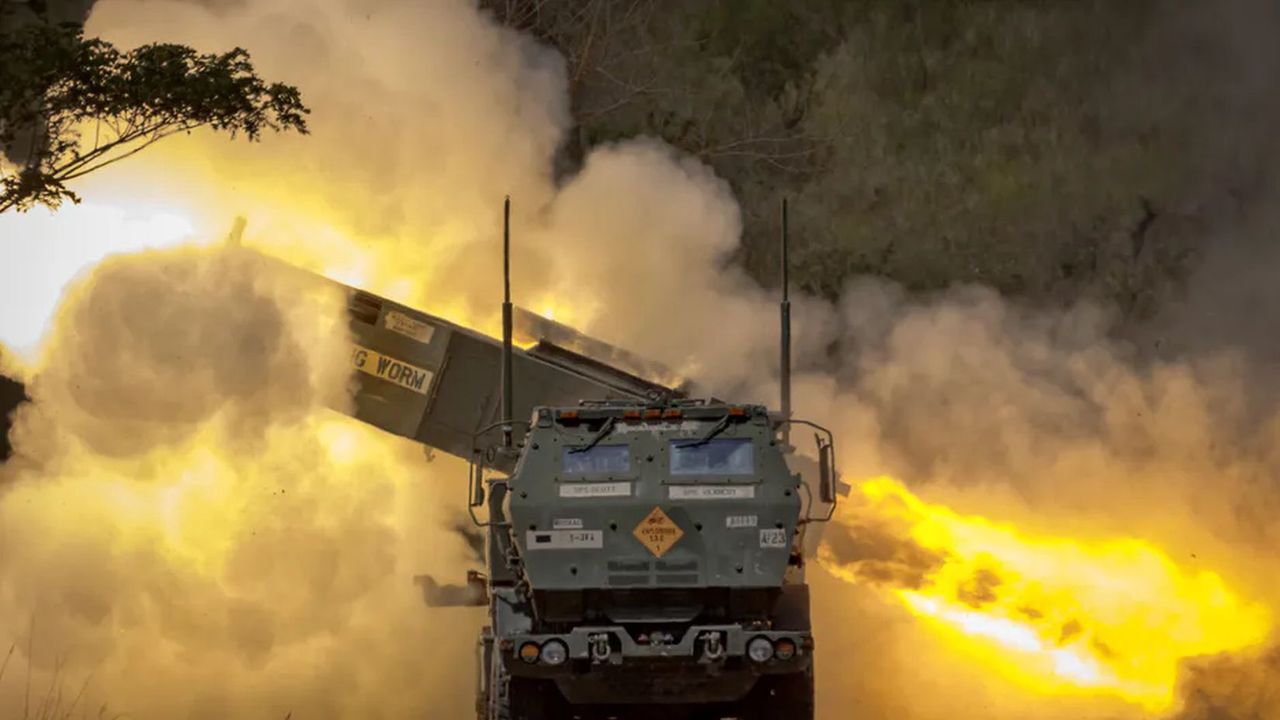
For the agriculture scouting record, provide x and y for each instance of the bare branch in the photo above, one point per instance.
(154, 138)
(76, 700)
(5, 665)
(26, 698)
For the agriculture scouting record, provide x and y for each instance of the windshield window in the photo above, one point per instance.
(725, 456)
(598, 460)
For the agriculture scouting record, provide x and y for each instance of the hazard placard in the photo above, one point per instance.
(658, 532)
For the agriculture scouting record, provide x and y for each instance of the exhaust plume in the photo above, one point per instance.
(1058, 462)
(187, 529)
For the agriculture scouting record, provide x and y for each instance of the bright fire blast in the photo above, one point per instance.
(1054, 614)
(191, 523)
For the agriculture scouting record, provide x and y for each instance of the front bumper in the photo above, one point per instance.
(709, 663)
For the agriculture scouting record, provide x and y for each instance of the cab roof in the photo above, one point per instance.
(596, 411)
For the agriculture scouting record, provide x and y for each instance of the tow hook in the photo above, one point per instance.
(600, 648)
(712, 646)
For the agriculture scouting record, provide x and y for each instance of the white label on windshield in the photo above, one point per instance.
(567, 523)
(595, 490)
(773, 538)
(712, 492)
(741, 521)
(564, 540)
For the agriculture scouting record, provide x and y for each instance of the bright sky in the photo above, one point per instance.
(41, 255)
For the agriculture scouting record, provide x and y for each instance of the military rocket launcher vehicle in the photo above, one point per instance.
(648, 559)
(644, 550)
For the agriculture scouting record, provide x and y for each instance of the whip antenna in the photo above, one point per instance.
(506, 325)
(785, 321)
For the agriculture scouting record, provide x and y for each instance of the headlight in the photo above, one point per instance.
(760, 649)
(554, 652)
(785, 649)
(529, 652)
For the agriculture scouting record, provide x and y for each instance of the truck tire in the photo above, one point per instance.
(781, 696)
(534, 700)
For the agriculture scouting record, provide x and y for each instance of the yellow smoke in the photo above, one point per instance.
(41, 252)
(208, 343)
(188, 526)
(189, 530)
(1056, 615)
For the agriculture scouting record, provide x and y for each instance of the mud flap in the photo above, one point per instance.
(791, 611)
(780, 696)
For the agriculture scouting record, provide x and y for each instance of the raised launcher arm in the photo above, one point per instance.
(430, 380)
(435, 382)
(425, 378)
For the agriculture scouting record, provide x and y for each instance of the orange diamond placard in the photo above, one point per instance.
(658, 532)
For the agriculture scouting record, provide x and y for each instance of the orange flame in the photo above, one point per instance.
(1057, 615)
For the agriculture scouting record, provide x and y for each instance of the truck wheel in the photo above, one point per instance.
(781, 696)
(534, 700)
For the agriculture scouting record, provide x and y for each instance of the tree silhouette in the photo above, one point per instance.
(70, 105)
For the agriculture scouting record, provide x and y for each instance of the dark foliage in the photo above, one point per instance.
(70, 105)
(1049, 150)
(12, 394)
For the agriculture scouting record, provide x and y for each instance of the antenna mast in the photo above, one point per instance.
(506, 325)
(785, 318)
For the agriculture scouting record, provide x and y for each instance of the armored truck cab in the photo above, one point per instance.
(648, 558)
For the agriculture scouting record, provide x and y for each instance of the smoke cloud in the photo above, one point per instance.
(154, 346)
(188, 529)
(425, 116)
(1048, 421)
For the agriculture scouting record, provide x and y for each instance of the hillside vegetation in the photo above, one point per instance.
(1050, 150)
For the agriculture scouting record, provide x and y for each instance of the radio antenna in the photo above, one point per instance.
(785, 320)
(507, 410)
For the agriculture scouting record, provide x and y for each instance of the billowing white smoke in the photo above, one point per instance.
(186, 525)
(186, 531)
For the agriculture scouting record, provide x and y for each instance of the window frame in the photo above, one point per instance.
(627, 471)
(697, 477)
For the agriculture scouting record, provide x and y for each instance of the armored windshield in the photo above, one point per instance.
(724, 456)
(601, 459)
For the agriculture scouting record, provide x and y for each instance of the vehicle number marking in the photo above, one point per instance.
(595, 490)
(567, 523)
(397, 321)
(742, 521)
(712, 492)
(564, 539)
(395, 371)
(773, 538)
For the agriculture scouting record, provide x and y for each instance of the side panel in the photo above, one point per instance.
(395, 372)
(465, 399)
